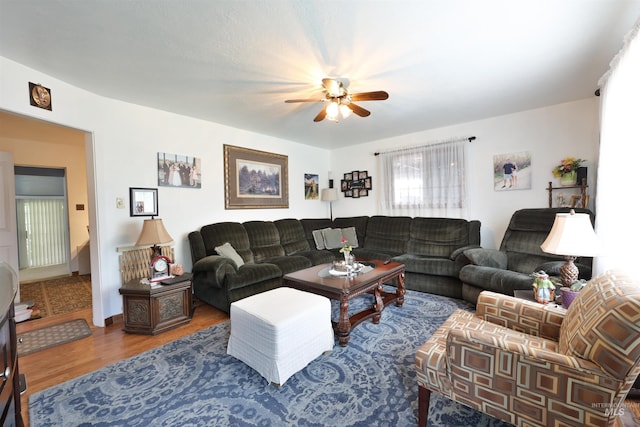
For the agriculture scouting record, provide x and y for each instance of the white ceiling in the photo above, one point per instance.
(235, 62)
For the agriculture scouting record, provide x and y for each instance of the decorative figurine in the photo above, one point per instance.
(543, 287)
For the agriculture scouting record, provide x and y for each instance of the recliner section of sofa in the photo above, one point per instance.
(510, 268)
(430, 248)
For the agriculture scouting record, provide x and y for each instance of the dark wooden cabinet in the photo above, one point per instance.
(151, 309)
(9, 383)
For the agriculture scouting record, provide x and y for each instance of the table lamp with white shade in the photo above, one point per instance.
(572, 235)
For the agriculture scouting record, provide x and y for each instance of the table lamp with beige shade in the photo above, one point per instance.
(571, 235)
(154, 234)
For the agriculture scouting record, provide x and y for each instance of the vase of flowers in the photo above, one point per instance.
(346, 251)
(567, 171)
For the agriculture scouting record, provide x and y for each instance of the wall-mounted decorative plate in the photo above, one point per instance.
(39, 96)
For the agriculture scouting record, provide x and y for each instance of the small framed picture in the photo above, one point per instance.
(367, 183)
(363, 192)
(362, 175)
(355, 175)
(348, 176)
(143, 201)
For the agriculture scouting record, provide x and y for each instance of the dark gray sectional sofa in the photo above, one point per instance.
(431, 249)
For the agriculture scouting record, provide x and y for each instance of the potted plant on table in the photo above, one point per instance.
(567, 170)
(346, 251)
(569, 293)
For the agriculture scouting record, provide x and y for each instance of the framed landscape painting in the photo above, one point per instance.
(255, 179)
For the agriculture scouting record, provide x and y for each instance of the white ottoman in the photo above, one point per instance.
(279, 332)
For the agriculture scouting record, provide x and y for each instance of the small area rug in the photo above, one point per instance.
(51, 336)
(58, 296)
(193, 382)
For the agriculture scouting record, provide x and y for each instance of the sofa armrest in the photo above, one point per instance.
(460, 251)
(520, 315)
(213, 269)
(487, 257)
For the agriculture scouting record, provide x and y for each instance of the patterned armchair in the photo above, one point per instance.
(530, 365)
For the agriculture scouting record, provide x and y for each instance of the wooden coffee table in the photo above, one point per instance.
(342, 288)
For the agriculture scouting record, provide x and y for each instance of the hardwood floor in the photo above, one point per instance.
(106, 346)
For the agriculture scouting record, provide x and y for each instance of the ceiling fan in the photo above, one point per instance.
(340, 102)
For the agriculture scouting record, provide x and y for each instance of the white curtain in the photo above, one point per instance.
(428, 180)
(617, 203)
(42, 234)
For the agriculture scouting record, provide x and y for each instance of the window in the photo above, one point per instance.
(425, 181)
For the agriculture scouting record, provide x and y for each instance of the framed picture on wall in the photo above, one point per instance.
(255, 179)
(143, 201)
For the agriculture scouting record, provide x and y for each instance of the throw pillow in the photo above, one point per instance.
(332, 238)
(317, 237)
(227, 250)
(351, 236)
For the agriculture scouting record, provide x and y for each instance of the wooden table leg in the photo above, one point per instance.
(400, 291)
(378, 304)
(343, 329)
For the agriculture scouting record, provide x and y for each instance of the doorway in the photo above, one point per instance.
(43, 223)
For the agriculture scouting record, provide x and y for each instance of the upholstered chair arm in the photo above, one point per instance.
(511, 371)
(520, 315)
(213, 269)
(487, 257)
(458, 253)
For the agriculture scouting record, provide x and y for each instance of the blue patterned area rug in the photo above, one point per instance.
(193, 382)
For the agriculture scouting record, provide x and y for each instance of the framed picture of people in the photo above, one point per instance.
(177, 170)
(512, 171)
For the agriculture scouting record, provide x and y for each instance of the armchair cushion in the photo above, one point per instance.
(603, 324)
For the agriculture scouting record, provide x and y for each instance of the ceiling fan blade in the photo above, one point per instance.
(379, 95)
(289, 101)
(358, 110)
(321, 115)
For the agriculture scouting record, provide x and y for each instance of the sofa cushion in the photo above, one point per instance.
(292, 236)
(429, 265)
(250, 274)
(439, 237)
(318, 238)
(264, 239)
(222, 232)
(227, 250)
(351, 235)
(388, 234)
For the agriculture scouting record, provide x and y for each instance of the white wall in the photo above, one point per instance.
(125, 141)
(549, 134)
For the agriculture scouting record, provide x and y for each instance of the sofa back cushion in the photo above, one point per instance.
(264, 239)
(388, 233)
(234, 233)
(527, 230)
(439, 237)
(292, 237)
(602, 324)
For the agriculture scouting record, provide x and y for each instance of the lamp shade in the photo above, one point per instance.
(153, 233)
(572, 234)
(329, 194)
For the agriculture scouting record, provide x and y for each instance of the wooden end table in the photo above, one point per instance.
(151, 309)
(344, 289)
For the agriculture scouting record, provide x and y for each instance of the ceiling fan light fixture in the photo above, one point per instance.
(345, 111)
(333, 109)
